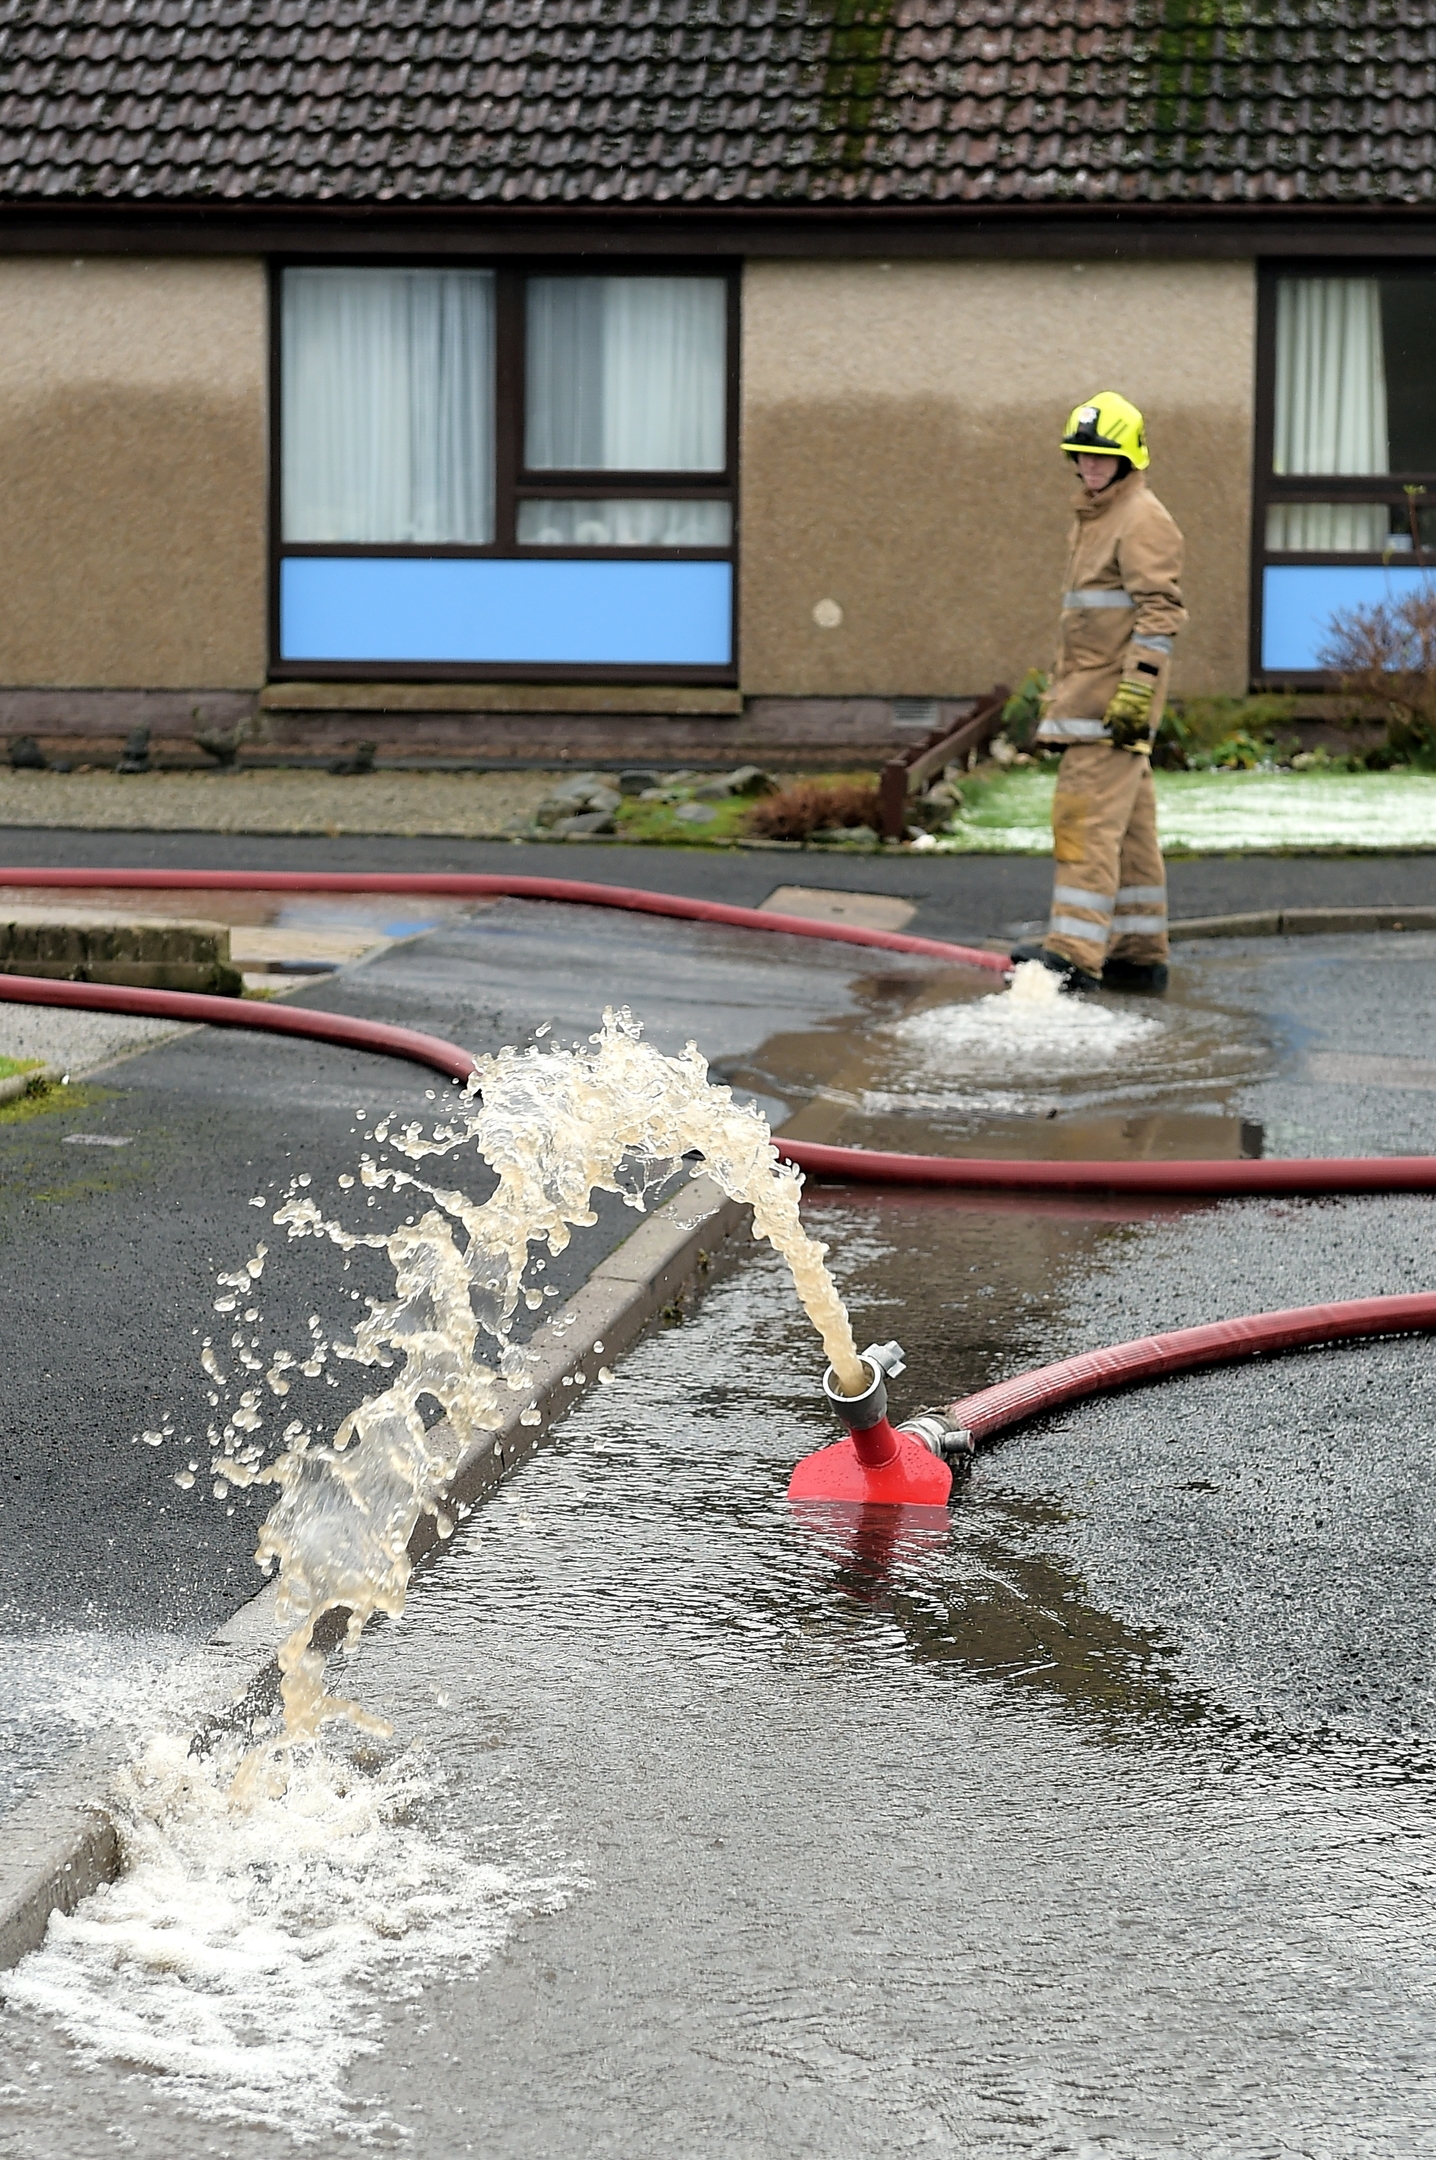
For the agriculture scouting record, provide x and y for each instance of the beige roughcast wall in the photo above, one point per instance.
(133, 468)
(899, 460)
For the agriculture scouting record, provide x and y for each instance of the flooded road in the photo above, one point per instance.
(1096, 1819)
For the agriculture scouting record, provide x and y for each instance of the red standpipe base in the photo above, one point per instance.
(877, 1465)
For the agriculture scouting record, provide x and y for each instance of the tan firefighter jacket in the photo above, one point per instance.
(1120, 611)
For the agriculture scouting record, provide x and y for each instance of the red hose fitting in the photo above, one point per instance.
(874, 1463)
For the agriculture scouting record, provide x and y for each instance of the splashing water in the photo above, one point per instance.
(556, 1125)
(1032, 1021)
(272, 1893)
(242, 1957)
(1034, 984)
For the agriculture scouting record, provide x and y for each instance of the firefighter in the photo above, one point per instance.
(1121, 609)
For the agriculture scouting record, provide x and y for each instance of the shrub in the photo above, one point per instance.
(1387, 654)
(1023, 709)
(1195, 730)
(809, 806)
(1238, 752)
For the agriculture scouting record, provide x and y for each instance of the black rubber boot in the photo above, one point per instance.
(1147, 976)
(1073, 977)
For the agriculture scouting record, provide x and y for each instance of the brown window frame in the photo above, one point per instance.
(1269, 487)
(513, 481)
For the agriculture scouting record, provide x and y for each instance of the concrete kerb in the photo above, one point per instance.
(31, 1082)
(1306, 922)
(1289, 922)
(61, 1842)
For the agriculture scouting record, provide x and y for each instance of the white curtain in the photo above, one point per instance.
(626, 374)
(1330, 529)
(625, 522)
(1330, 377)
(388, 404)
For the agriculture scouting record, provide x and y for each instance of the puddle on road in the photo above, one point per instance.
(962, 1069)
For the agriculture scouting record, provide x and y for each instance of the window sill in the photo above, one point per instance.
(698, 699)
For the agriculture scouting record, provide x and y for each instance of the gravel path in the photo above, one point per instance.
(465, 806)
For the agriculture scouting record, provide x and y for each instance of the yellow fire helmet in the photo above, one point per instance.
(1109, 426)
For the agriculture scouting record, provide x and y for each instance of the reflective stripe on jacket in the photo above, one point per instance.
(1122, 607)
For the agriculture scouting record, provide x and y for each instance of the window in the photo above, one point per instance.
(1346, 497)
(499, 472)
(389, 405)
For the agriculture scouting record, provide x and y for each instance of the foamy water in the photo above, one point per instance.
(243, 1957)
(63, 1688)
(1028, 1030)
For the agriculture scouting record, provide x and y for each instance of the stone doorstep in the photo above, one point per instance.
(165, 953)
(135, 952)
(60, 1843)
(59, 933)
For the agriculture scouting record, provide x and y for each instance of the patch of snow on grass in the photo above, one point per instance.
(1223, 812)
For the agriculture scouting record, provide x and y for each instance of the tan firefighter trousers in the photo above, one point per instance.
(1109, 886)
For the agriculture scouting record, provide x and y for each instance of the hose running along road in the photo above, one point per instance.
(441, 885)
(984, 1415)
(1152, 1357)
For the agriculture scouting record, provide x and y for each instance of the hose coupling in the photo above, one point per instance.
(952, 1443)
(884, 1361)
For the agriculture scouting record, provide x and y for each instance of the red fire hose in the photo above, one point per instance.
(457, 886)
(1213, 1180)
(189, 1005)
(994, 1409)
(1208, 1180)
(1151, 1357)
(1201, 1180)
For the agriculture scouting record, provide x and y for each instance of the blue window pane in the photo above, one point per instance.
(374, 609)
(1299, 600)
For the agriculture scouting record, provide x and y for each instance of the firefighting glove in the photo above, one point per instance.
(1128, 717)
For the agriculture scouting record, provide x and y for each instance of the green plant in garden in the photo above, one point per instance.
(1194, 729)
(1023, 709)
(1237, 752)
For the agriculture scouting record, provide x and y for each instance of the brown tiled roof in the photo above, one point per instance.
(719, 101)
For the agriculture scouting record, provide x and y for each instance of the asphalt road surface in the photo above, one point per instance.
(956, 896)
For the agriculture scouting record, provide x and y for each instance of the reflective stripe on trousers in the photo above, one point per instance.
(1078, 927)
(1095, 927)
(1130, 921)
(1078, 896)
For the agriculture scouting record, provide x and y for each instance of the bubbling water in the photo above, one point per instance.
(1034, 984)
(556, 1125)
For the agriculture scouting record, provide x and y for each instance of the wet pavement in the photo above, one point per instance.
(1094, 1820)
(118, 1207)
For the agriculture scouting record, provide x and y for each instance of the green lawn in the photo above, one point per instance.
(1219, 813)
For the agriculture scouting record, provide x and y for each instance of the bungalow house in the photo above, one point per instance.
(682, 378)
